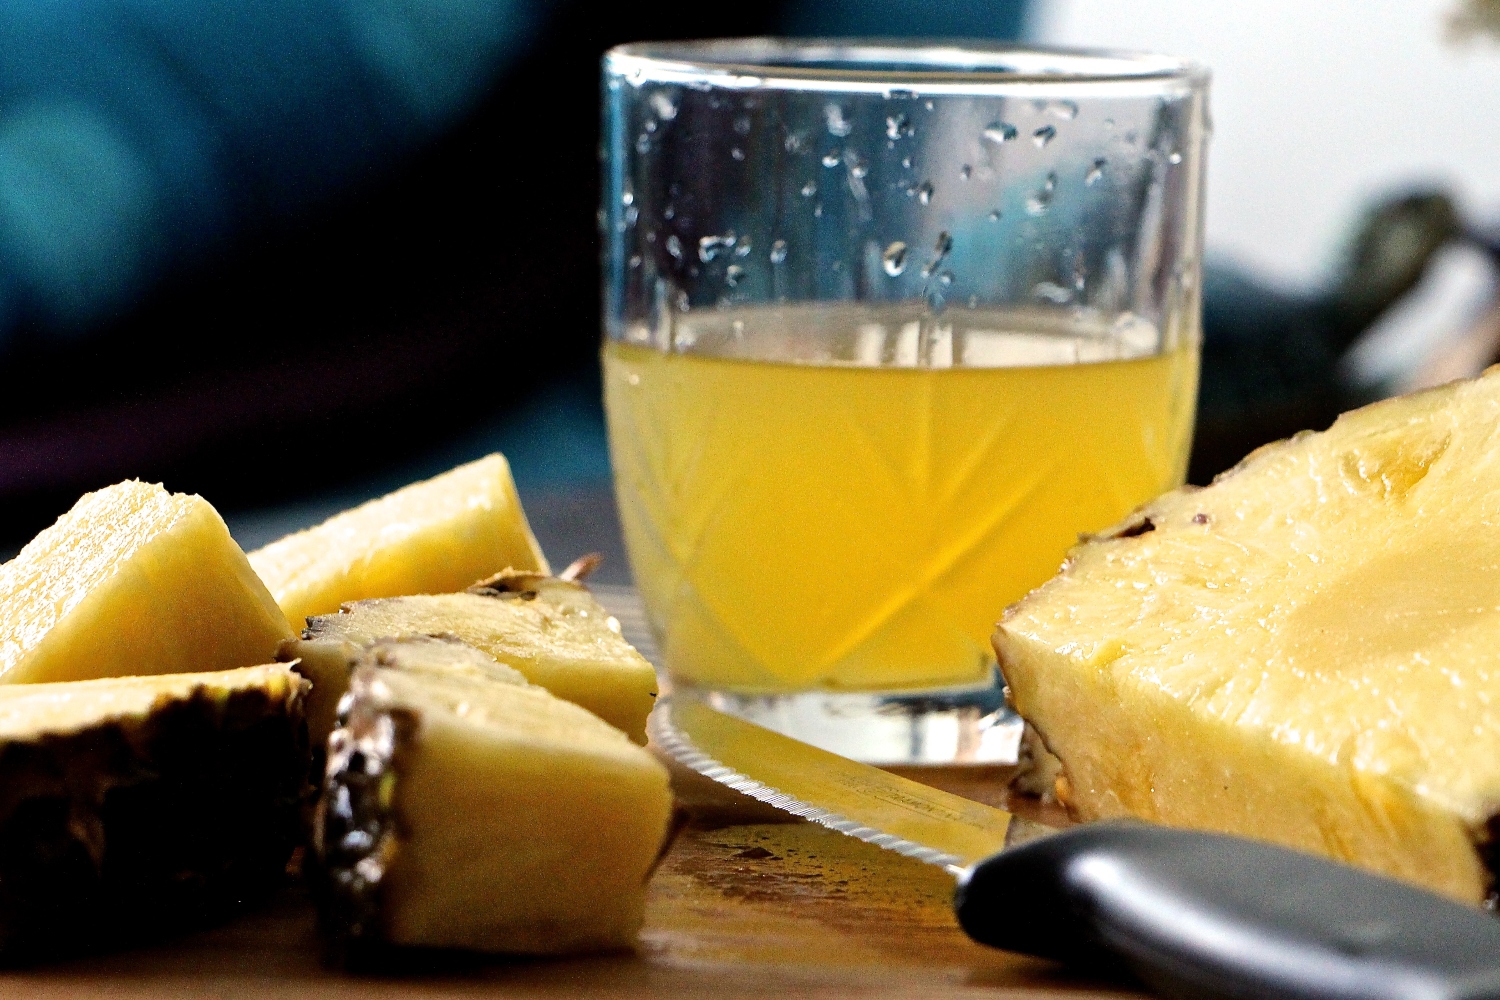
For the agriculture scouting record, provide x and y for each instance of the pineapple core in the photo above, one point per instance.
(462, 811)
(133, 580)
(432, 537)
(1307, 651)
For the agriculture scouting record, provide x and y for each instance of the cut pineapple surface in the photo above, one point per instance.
(551, 630)
(328, 663)
(133, 805)
(431, 537)
(468, 812)
(1306, 651)
(133, 580)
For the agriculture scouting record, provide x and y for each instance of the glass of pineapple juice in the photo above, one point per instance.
(887, 326)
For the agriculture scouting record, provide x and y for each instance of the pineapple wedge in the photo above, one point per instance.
(1307, 651)
(551, 630)
(134, 805)
(431, 537)
(462, 811)
(133, 580)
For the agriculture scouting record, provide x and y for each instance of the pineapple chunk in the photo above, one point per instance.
(1305, 651)
(466, 812)
(133, 580)
(431, 537)
(135, 805)
(551, 630)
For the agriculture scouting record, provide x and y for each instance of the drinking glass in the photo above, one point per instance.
(886, 326)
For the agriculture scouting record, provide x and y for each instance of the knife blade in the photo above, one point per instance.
(1190, 913)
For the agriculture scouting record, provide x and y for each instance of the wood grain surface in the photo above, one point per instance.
(739, 907)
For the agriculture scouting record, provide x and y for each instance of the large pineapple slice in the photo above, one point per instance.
(133, 580)
(431, 537)
(132, 805)
(551, 630)
(1306, 651)
(461, 811)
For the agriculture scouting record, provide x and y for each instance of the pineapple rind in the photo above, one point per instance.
(133, 580)
(431, 537)
(490, 816)
(1302, 651)
(132, 806)
(553, 632)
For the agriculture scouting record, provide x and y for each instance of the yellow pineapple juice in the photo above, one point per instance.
(860, 519)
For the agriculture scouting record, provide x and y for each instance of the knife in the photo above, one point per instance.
(1189, 913)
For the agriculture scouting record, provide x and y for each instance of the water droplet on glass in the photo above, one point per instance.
(1066, 110)
(1042, 199)
(1052, 292)
(669, 213)
(778, 251)
(838, 124)
(922, 192)
(999, 132)
(710, 246)
(894, 258)
(663, 106)
(795, 141)
(1109, 123)
(1043, 135)
(1095, 172)
(858, 169)
(927, 105)
(906, 163)
(732, 274)
(965, 172)
(945, 278)
(830, 160)
(743, 250)
(737, 153)
(994, 215)
(809, 189)
(897, 127)
(674, 246)
(940, 250)
(742, 125)
(632, 214)
(635, 261)
(1175, 158)
(628, 198)
(643, 143)
(818, 210)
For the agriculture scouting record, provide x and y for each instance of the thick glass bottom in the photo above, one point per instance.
(949, 726)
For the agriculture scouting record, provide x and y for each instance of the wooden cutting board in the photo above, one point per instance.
(738, 907)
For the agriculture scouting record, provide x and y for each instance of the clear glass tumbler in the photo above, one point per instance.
(887, 326)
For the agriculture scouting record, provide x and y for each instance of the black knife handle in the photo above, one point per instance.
(1204, 915)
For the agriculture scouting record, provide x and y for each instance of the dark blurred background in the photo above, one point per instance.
(290, 255)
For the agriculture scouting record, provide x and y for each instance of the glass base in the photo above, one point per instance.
(949, 726)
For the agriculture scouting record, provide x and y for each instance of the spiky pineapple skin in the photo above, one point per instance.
(131, 827)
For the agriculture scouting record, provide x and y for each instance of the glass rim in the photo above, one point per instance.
(959, 65)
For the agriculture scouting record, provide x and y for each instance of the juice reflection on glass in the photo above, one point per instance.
(856, 515)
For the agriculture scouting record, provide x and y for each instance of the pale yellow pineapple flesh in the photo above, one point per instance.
(518, 822)
(133, 580)
(1307, 651)
(551, 630)
(328, 663)
(431, 537)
